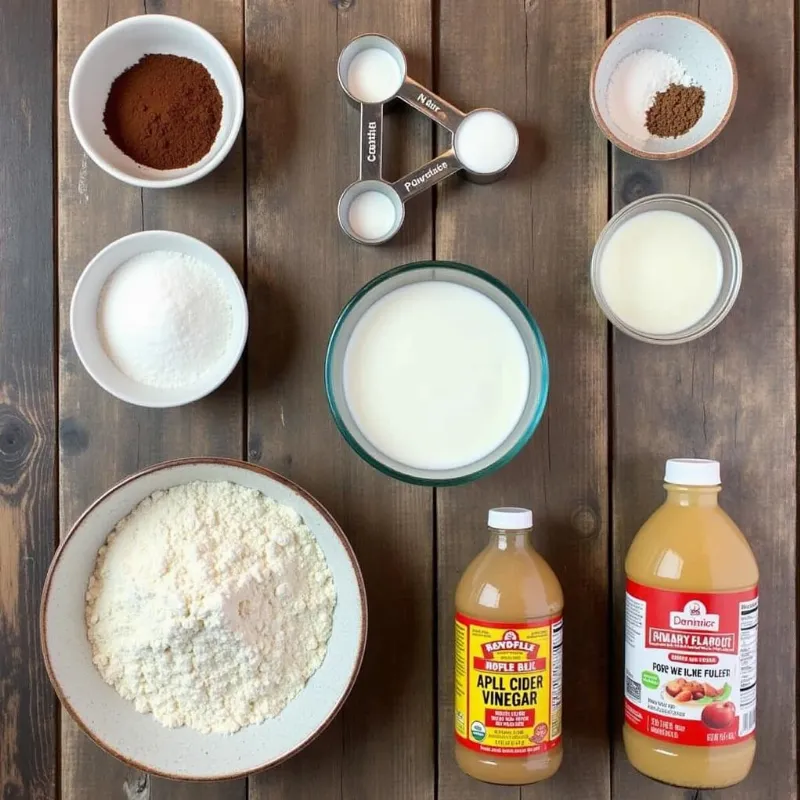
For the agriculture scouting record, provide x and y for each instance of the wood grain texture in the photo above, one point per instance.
(102, 439)
(731, 394)
(27, 396)
(535, 230)
(302, 151)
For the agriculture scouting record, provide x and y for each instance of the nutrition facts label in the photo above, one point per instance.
(556, 678)
(748, 655)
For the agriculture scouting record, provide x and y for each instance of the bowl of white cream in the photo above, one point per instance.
(159, 319)
(436, 373)
(666, 269)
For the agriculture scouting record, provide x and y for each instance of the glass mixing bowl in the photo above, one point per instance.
(465, 276)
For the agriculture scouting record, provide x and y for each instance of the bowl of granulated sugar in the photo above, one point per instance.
(159, 319)
(663, 86)
(156, 101)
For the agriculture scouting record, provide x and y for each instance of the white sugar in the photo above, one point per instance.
(164, 319)
(633, 85)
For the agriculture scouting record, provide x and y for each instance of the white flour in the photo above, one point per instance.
(210, 606)
(634, 84)
(164, 319)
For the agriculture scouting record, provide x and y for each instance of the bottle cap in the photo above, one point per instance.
(692, 472)
(510, 519)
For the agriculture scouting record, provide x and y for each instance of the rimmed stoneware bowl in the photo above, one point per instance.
(707, 59)
(88, 340)
(119, 47)
(180, 753)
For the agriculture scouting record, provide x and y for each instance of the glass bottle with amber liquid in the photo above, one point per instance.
(508, 634)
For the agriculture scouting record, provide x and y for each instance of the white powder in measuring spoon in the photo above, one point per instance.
(373, 76)
(634, 84)
(165, 319)
(371, 215)
(486, 141)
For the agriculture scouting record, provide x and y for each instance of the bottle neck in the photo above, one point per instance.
(509, 540)
(692, 496)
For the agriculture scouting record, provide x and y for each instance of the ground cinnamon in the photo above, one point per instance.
(676, 110)
(164, 111)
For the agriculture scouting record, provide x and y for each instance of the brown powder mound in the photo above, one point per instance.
(164, 112)
(675, 110)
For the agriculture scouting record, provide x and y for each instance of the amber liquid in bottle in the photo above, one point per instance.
(510, 584)
(691, 545)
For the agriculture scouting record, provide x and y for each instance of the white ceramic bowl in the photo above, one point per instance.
(119, 47)
(137, 738)
(707, 59)
(86, 336)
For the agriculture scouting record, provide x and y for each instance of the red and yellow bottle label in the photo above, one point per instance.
(508, 685)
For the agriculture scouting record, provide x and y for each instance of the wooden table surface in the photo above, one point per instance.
(592, 472)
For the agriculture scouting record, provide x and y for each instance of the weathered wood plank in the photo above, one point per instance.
(730, 395)
(102, 439)
(27, 396)
(535, 231)
(302, 151)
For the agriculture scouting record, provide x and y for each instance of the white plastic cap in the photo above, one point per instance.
(692, 472)
(510, 519)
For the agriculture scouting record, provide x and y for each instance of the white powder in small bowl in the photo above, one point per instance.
(634, 84)
(164, 319)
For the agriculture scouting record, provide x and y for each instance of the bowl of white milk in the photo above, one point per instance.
(436, 373)
(666, 269)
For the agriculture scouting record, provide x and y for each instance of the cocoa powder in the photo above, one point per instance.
(675, 110)
(164, 112)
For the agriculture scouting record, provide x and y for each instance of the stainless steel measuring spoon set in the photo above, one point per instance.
(387, 79)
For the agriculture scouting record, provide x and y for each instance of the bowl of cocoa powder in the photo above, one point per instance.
(156, 101)
(663, 86)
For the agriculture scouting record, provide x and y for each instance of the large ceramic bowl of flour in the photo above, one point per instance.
(135, 729)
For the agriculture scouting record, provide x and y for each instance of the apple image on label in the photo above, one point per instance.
(718, 715)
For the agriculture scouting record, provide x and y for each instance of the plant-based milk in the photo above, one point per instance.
(436, 375)
(371, 215)
(660, 272)
(486, 141)
(373, 76)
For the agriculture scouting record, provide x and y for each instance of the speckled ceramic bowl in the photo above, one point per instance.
(180, 753)
(707, 59)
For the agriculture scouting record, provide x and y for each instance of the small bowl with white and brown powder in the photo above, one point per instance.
(663, 86)
(156, 101)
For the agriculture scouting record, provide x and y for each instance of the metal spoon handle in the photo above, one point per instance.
(420, 179)
(430, 104)
(371, 141)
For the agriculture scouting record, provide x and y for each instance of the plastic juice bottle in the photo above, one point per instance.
(691, 624)
(508, 658)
